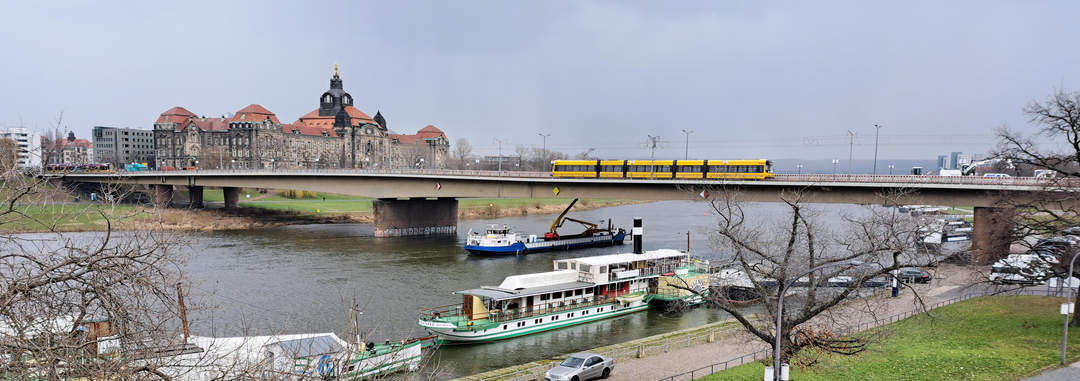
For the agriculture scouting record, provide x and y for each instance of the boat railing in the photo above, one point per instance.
(502, 316)
(442, 311)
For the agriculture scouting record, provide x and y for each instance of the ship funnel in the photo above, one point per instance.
(637, 232)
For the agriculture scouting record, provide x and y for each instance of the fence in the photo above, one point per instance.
(764, 353)
(624, 352)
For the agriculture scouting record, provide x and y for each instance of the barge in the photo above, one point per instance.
(499, 240)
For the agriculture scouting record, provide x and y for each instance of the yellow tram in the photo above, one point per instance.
(756, 169)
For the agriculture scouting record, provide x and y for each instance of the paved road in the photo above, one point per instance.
(1069, 373)
(948, 283)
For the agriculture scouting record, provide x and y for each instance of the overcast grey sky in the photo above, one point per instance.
(752, 79)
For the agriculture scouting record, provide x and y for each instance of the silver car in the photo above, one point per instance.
(581, 367)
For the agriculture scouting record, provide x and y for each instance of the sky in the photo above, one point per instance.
(755, 79)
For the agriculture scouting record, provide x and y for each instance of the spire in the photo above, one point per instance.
(335, 81)
(379, 119)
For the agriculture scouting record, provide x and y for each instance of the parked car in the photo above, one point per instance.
(913, 275)
(581, 367)
(1020, 269)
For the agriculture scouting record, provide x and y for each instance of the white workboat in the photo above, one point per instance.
(289, 357)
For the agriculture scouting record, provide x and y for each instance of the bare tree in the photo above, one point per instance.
(1043, 218)
(867, 247)
(9, 154)
(462, 152)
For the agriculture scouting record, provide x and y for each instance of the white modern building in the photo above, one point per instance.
(29, 146)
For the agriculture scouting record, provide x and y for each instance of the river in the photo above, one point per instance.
(304, 278)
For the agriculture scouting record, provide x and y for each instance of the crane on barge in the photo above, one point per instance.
(553, 232)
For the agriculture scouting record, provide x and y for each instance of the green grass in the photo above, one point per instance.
(991, 338)
(80, 216)
(313, 205)
(216, 195)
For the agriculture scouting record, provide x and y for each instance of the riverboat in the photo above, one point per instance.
(497, 240)
(579, 290)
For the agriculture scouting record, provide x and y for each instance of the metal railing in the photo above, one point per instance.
(764, 353)
(800, 178)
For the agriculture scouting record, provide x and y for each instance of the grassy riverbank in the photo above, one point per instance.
(991, 338)
(256, 210)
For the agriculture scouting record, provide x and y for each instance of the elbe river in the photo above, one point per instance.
(303, 278)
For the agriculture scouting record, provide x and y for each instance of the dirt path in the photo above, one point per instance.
(949, 282)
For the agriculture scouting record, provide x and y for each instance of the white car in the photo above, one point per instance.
(1020, 269)
(581, 367)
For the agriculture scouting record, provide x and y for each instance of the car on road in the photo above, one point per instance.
(913, 275)
(581, 367)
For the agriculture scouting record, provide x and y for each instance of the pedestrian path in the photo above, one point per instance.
(1069, 373)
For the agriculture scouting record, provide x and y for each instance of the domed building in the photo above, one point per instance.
(335, 135)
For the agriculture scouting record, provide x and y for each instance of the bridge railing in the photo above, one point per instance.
(800, 178)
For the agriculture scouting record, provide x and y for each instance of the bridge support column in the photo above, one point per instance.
(162, 195)
(396, 218)
(992, 234)
(232, 196)
(195, 196)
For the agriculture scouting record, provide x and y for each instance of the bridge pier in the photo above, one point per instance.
(232, 196)
(417, 216)
(195, 196)
(163, 195)
(992, 233)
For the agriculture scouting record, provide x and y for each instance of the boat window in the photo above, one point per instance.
(504, 327)
(562, 265)
(584, 267)
(603, 269)
(543, 296)
(578, 292)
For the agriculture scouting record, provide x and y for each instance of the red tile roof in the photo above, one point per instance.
(308, 129)
(357, 116)
(212, 124)
(428, 132)
(254, 113)
(175, 115)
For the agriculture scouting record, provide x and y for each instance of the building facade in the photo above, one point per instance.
(120, 146)
(29, 142)
(335, 135)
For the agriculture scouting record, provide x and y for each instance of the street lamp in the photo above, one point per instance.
(543, 151)
(890, 168)
(798, 167)
(272, 165)
(500, 155)
(851, 148)
(232, 163)
(1065, 334)
(780, 315)
(834, 163)
(877, 129)
(686, 152)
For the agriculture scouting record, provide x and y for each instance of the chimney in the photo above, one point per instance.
(636, 231)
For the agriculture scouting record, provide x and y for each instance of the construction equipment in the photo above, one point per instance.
(553, 232)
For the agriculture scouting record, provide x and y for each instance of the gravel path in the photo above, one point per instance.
(949, 282)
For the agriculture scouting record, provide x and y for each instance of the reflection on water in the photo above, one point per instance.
(303, 279)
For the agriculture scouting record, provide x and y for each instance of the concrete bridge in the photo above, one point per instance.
(415, 202)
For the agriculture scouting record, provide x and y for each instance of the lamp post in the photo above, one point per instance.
(272, 165)
(851, 148)
(890, 168)
(834, 163)
(686, 151)
(1065, 333)
(652, 154)
(798, 168)
(543, 151)
(780, 315)
(877, 129)
(500, 155)
(232, 163)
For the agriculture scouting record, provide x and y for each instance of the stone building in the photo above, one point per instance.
(335, 135)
